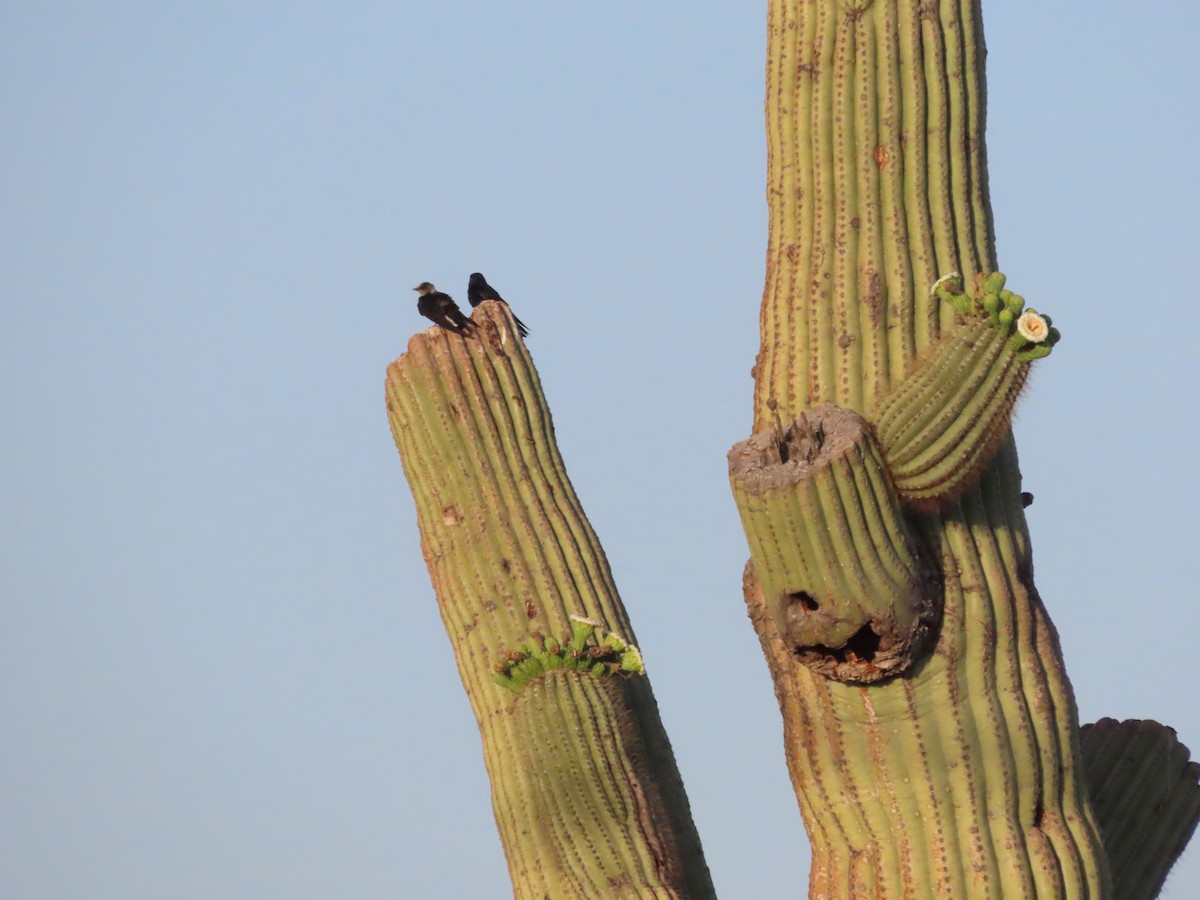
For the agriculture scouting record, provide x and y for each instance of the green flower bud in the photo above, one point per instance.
(1014, 302)
(993, 283)
(631, 661)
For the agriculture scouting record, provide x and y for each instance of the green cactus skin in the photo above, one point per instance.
(940, 425)
(834, 555)
(511, 553)
(587, 782)
(1146, 798)
(961, 778)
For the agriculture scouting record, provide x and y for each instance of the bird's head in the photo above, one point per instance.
(476, 278)
(424, 288)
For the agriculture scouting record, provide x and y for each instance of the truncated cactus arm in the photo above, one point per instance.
(841, 572)
(586, 793)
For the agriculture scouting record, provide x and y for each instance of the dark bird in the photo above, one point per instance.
(479, 290)
(441, 309)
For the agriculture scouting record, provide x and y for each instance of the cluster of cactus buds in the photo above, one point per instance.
(940, 425)
(583, 651)
(1031, 334)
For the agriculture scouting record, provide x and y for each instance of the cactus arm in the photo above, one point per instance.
(586, 794)
(839, 565)
(940, 425)
(1145, 794)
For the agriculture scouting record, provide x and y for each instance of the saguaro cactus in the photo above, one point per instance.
(961, 774)
(929, 726)
(587, 797)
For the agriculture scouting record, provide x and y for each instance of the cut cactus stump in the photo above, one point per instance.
(838, 564)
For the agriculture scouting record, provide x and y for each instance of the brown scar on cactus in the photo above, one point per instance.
(941, 424)
(844, 580)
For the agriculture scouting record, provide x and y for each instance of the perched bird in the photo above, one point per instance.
(441, 309)
(479, 290)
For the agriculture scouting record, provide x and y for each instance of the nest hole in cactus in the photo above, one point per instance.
(862, 647)
(805, 600)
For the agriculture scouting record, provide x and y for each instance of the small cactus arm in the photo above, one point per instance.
(586, 793)
(1144, 791)
(959, 770)
(942, 422)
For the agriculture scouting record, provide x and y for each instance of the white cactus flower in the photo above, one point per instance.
(1032, 327)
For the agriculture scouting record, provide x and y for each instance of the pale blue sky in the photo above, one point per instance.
(222, 673)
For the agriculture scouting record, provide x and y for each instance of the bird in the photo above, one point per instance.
(479, 290)
(441, 309)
